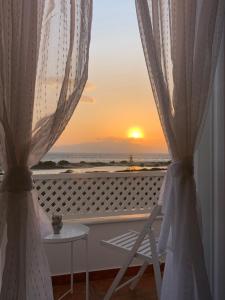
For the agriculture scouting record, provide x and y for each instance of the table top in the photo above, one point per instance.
(69, 233)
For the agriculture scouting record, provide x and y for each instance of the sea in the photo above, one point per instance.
(105, 157)
(100, 157)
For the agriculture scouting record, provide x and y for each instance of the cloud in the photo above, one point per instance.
(87, 99)
(88, 88)
(53, 81)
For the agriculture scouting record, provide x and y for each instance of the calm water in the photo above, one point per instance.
(105, 157)
(100, 157)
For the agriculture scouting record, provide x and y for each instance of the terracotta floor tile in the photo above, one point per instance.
(144, 291)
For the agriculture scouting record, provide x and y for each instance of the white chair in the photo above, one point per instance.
(141, 245)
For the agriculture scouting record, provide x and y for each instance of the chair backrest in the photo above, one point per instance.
(147, 228)
(154, 213)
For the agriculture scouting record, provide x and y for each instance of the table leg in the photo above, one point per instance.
(70, 291)
(71, 268)
(87, 269)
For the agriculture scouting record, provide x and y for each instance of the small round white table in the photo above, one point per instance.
(71, 233)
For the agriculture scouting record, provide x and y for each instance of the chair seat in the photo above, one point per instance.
(125, 243)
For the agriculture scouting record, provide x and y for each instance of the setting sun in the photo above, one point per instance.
(135, 133)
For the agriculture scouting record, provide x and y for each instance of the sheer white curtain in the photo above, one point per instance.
(181, 41)
(44, 47)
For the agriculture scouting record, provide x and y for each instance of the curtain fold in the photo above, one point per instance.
(181, 40)
(44, 49)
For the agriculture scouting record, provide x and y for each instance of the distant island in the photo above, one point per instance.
(130, 164)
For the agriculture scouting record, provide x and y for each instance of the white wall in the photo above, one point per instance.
(210, 182)
(204, 179)
(219, 183)
(100, 257)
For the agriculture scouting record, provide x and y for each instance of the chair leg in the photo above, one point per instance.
(118, 277)
(139, 275)
(158, 278)
(156, 264)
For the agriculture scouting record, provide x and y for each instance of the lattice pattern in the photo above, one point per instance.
(90, 195)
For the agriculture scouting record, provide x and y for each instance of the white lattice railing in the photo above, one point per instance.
(98, 194)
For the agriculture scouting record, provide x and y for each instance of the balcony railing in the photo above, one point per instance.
(98, 194)
(109, 203)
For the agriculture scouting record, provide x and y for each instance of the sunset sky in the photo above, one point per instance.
(118, 95)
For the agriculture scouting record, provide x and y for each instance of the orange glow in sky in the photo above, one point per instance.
(118, 93)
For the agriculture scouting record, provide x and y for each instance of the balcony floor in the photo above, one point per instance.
(144, 291)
